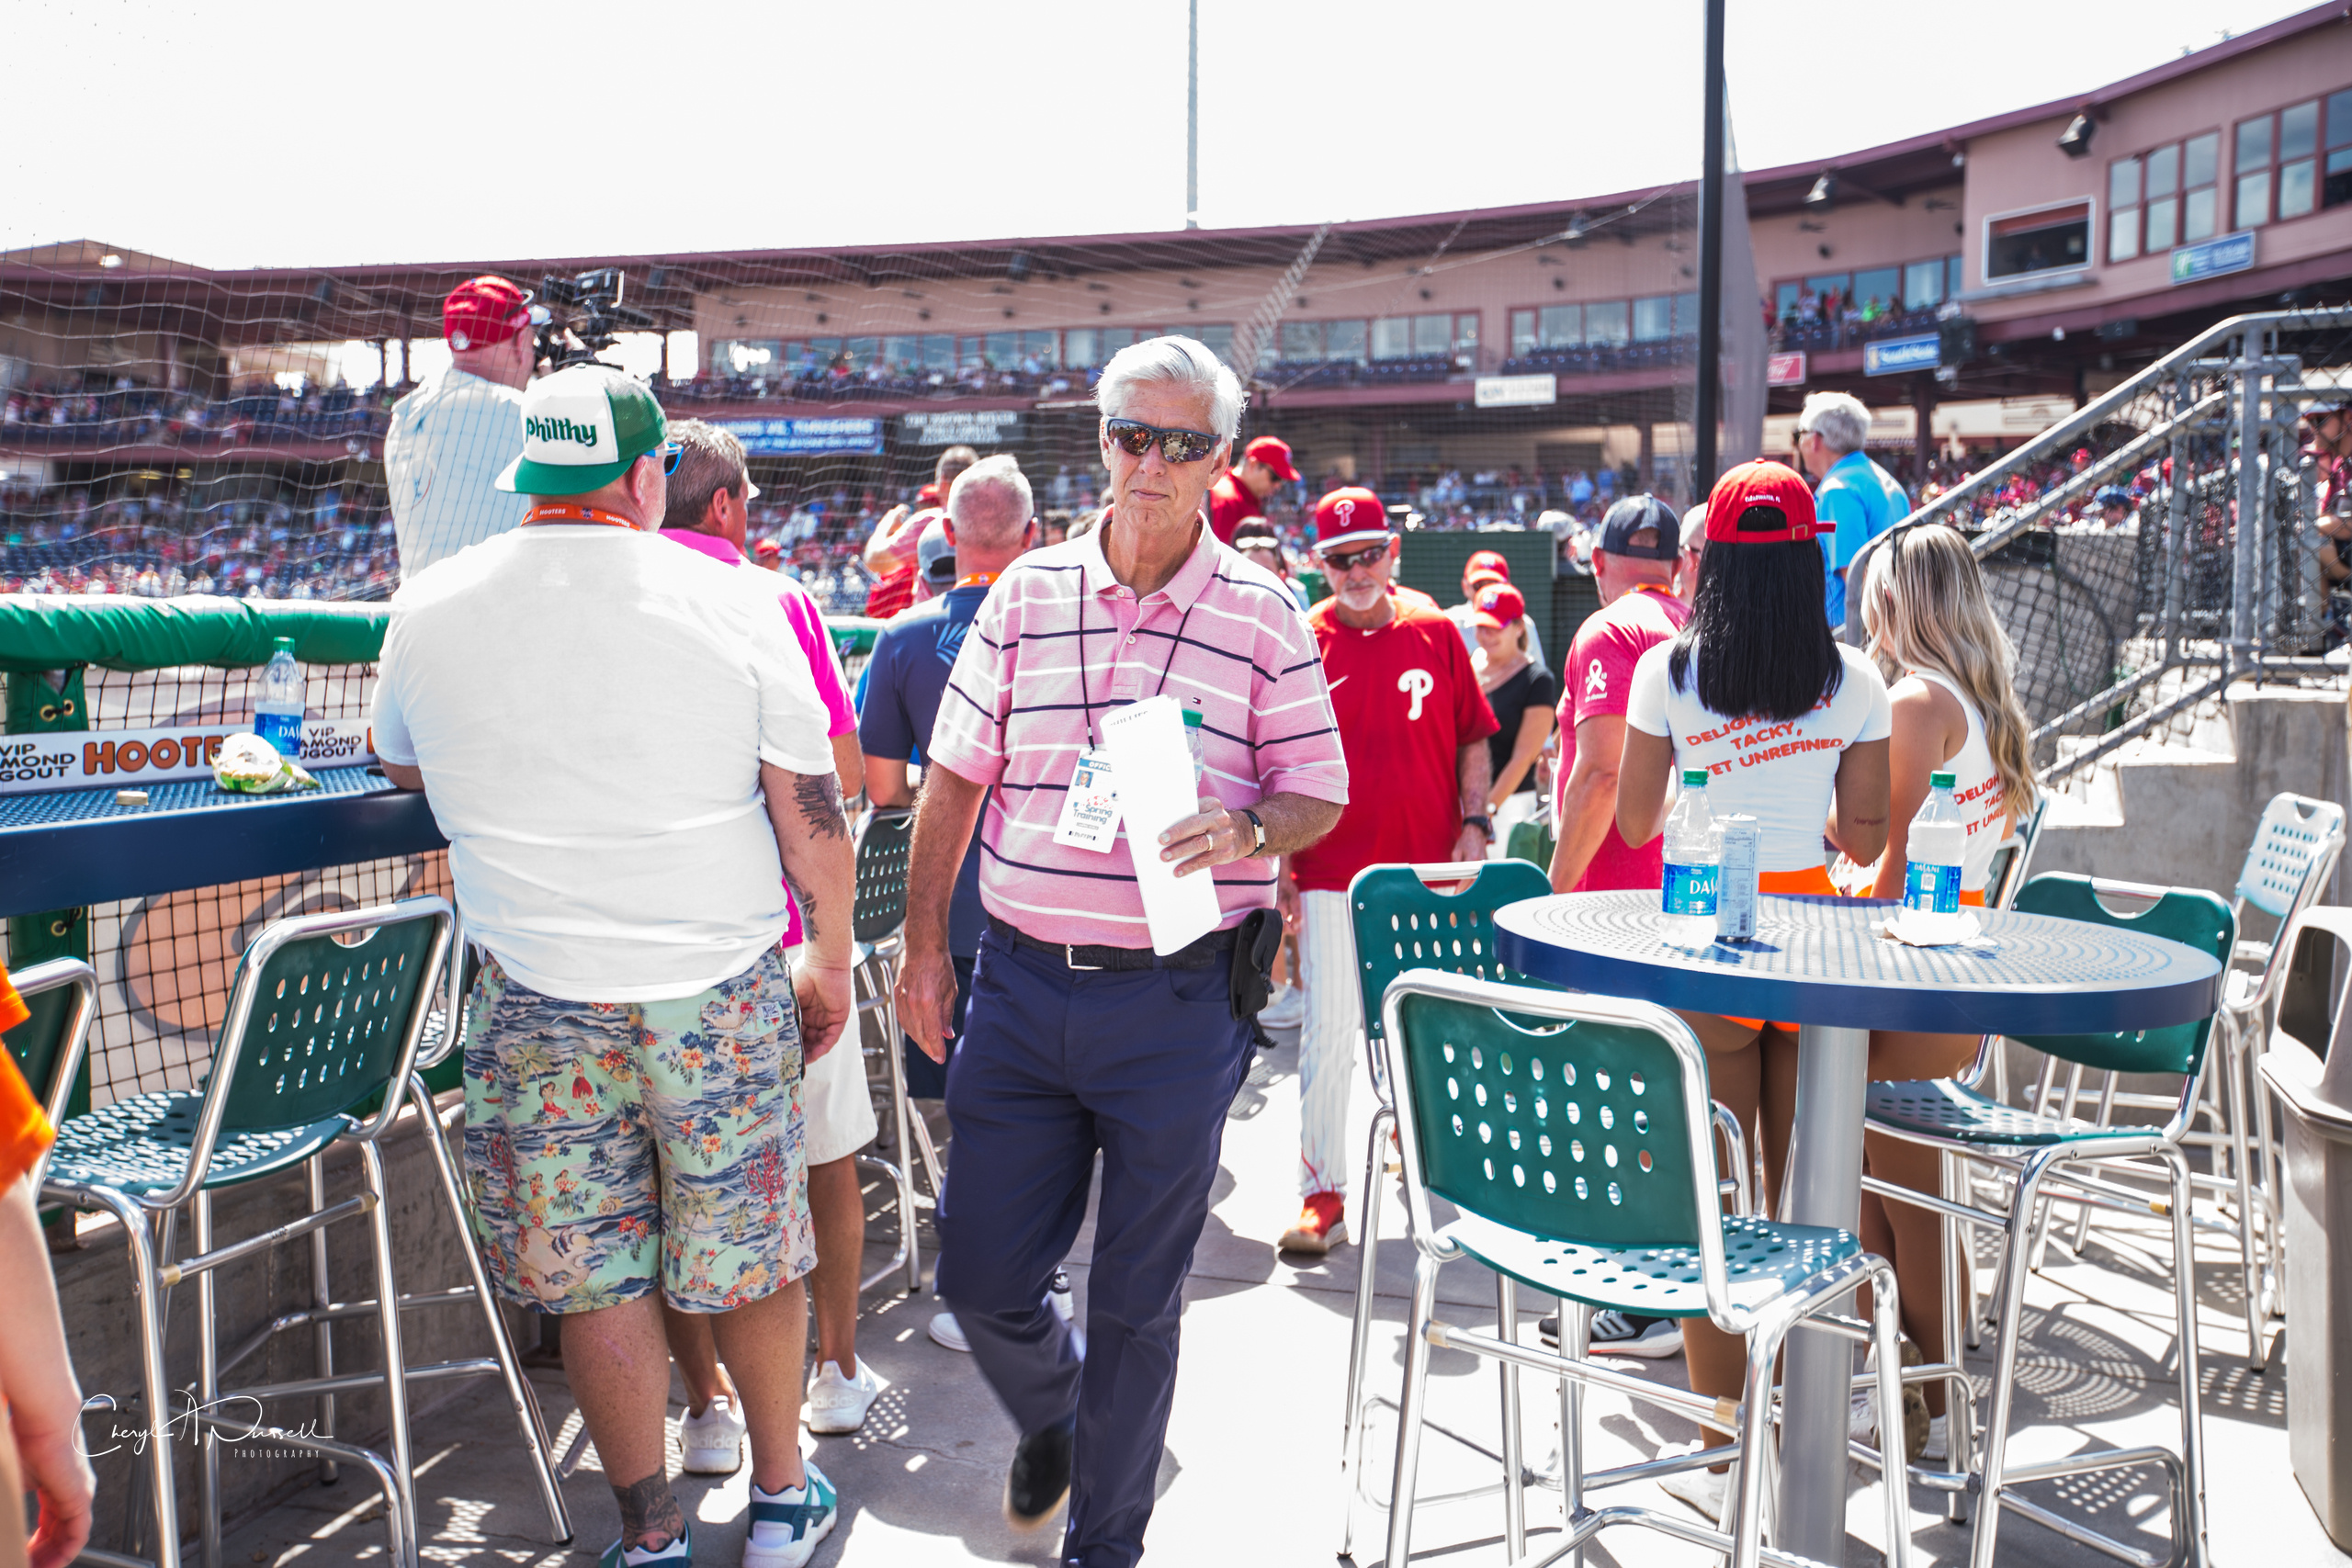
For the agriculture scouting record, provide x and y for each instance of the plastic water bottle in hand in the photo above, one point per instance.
(1938, 845)
(277, 715)
(1693, 867)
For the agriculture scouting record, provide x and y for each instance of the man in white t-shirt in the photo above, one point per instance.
(623, 744)
(449, 439)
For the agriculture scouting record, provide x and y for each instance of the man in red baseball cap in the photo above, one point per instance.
(1241, 490)
(1411, 715)
(450, 438)
(1483, 569)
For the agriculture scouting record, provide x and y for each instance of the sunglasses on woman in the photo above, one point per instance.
(1134, 438)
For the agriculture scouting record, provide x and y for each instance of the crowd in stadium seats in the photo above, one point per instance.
(56, 541)
(129, 416)
(1829, 320)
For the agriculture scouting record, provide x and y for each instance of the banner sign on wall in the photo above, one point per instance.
(805, 438)
(126, 759)
(989, 429)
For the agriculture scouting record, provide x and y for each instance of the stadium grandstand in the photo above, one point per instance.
(168, 429)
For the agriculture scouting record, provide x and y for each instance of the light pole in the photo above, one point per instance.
(1711, 257)
(1193, 121)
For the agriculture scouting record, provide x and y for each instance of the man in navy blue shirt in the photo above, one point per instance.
(991, 522)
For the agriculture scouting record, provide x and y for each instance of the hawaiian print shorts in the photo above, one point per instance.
(603, 1136)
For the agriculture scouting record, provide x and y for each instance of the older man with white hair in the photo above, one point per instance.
(1852, 494)
(1080, 1037)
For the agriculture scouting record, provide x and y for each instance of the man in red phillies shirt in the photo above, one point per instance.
(891, 553)
(1633, 566)
(1241, 490)
(1411, 716)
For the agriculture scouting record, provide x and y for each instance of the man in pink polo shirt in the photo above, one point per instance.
(708, 495)
(1079, 1039)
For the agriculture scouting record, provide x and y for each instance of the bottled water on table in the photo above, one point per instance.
(1693, 867)
(277, 715)
(1938, 845)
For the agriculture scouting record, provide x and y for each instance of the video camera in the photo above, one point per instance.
(581, 315)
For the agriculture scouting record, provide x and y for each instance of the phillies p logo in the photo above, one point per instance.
(1418, 684)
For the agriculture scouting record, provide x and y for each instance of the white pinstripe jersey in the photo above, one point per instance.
(449, 440)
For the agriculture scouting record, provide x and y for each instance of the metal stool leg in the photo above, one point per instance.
(519, 1393)
(387, 1319)
(208, 1392)
(1410, 1411)
(1576, 1340)
(2017, 1242)
(148, 1291)
(892, 1049)
(2233, 1066)
(322, 1331)
(1959, 1306)
(1514, 1465)
(1367, 1256)
(2192, 1414)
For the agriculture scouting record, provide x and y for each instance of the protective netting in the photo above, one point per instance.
(168, 430)
(2116, 562)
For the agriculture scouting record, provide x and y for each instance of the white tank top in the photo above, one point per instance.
(1976, 787)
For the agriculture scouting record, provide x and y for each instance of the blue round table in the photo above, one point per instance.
(1823, 964)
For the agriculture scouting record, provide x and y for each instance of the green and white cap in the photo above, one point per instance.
(582, 428)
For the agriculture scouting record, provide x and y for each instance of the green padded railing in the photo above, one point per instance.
(1575, 1131)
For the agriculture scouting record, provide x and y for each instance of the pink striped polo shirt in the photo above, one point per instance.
(1223, 634)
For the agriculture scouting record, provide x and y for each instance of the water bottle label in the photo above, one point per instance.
(283, 731)
(1692, 889)
(1931, 889)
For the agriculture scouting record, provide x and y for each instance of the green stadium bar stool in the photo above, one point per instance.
(1572, 1134)
(323, 1021)
(1401, 922)
(2287, 867)
(878, 931)
(2051, 1156)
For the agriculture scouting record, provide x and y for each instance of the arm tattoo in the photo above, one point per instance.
(649, 1513)
(819, 796)
(800, 896)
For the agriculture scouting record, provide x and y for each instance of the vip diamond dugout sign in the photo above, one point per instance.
(126, 759)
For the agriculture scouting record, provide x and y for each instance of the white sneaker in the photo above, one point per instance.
(1861, 1418)
(837, 1403)
(1702, 1489)
(712, 1442)
(1937, 1447)
(945, 1330)
(1288, 1011)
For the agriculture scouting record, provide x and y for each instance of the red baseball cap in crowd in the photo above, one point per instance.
(766, 547)
(1762, 502)
(1497, 604)
(926, 497)
(1274, 453)
(1349, 515)
(1474, 581)
(484, 310)
(1487, 561)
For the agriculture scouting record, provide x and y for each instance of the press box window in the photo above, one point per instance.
(2276, 166)
(2050, 240)
(2166, 196)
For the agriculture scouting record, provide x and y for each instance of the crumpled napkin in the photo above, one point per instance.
(1896, 928)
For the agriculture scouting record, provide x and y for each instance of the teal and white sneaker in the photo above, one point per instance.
(788, 1525)
(679, 1553)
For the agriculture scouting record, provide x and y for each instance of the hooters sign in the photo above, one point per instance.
(127, 758)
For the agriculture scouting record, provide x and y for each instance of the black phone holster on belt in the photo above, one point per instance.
(1255, 941)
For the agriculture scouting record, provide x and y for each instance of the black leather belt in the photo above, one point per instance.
(1200, 955)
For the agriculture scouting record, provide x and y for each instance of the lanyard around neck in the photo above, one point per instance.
(976, 580)
(1086, 696)
(572, 512)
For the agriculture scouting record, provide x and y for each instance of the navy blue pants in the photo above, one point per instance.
(1056, 1065)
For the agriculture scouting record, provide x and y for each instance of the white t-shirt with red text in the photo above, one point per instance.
(1783, 772)
(1976, 787)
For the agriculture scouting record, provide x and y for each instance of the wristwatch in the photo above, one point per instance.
(1258, 823)
(1484, 824)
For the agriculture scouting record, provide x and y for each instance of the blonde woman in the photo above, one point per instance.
(1948, 665)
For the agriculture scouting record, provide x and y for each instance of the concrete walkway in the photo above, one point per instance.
(1251, 1473)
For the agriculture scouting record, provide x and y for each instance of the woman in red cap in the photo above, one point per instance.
(1792, 728)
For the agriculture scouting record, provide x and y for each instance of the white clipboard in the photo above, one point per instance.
(1154, 767)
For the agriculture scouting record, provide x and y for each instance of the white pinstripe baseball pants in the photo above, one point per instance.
(1327, 1044)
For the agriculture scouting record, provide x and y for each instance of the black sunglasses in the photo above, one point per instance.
(1134, 438)
(1348, 561)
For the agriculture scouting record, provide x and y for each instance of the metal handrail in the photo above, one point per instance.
(2099, 409)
